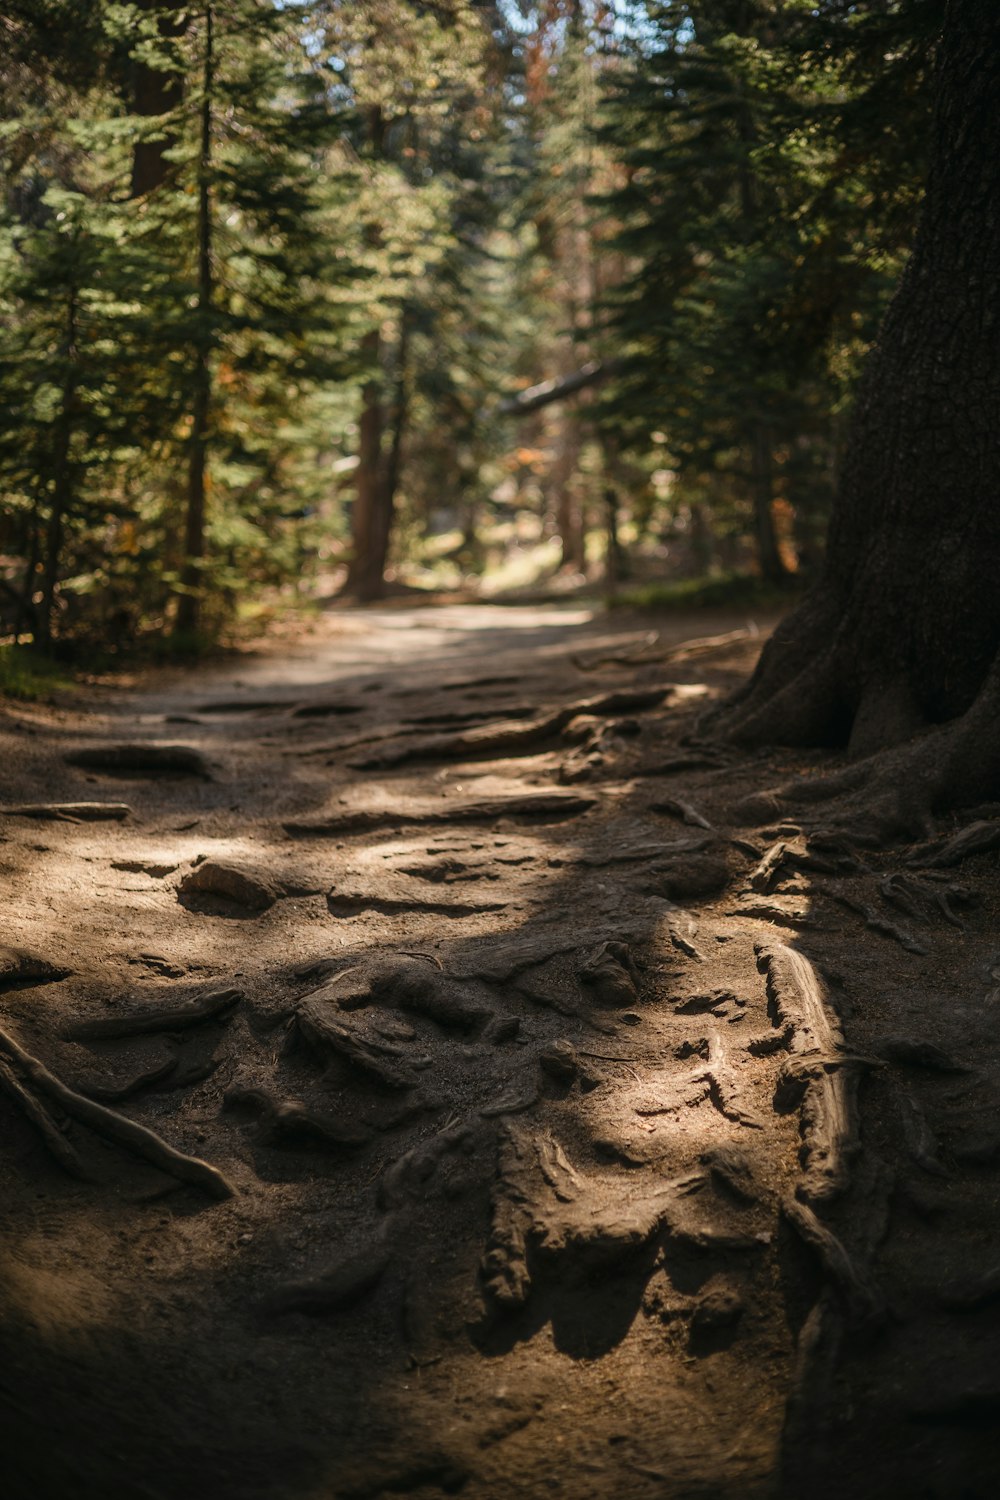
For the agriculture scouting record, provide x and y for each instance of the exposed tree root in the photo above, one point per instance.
(232, 883)
(808, 1412)
(339, 1286)
(918, 1137)
(824, 1071)
(921, 900)
(69, 812)
(715, 1080)
(540, 806)
(863, 1303)
(421, 988)
(895, 791)
(59, 1146)
(113, 1093)
(290, 1122)
(875, 922)
(978, 838)
(512, 737)
(697, 647)
(506, 1278)
(405, 1181)
(204, 1007)
(34, 1076)
(360, 1042)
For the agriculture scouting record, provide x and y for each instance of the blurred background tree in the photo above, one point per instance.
(273, 276)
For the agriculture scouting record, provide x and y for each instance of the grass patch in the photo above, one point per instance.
(720, 591)
(27, 675)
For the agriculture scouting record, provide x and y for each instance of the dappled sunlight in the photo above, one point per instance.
(486, 1101)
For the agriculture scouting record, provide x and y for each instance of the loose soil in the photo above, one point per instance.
(420, 1074)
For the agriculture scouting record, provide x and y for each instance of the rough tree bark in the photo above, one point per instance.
(903, 631)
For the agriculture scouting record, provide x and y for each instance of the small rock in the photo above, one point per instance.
(230, 882)
(720, 1306)
(560, 1061)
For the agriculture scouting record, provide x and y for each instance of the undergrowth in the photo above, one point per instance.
(27, 675)
(718, 591)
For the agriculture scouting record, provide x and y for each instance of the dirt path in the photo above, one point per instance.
(432, 1082)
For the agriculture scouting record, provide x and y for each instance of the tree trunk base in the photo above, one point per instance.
(894, 793)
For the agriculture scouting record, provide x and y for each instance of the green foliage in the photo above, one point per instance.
(231, 232)
(773, 157)
(719, 591)
(26, 675)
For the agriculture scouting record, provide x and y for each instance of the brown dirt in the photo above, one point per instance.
(532, 1072)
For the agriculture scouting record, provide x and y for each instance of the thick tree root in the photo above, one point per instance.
(980, 837)
(58, 1144)
(875, 922)
(808, 1412)
(922, 900)
(421, 988)
(207, 1006)
(827, 1123)
(532, 806)
(513, 737)
(223, 881)
(863, 1303)
(360, 1041)
(609, 976)
(290, 1122)
(69, 812)
(342, 1285)
(108, 1123)
(405, 1181)
(697, 647)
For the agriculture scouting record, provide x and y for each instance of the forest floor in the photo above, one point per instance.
(419, 1075)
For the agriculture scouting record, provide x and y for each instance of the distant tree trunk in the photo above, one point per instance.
(371, 523)
(565, 499)
(772, 569)
(378, 474)
(61, 493)
(702, 537)
(155, 92)
(903, 631)
(366, 572)
(190, 600)
(397, 420)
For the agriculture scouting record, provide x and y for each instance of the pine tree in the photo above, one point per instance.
(766, 212)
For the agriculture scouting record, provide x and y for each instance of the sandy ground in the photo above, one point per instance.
(519, 1116)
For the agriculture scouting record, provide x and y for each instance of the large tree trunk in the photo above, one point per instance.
(904, 627)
